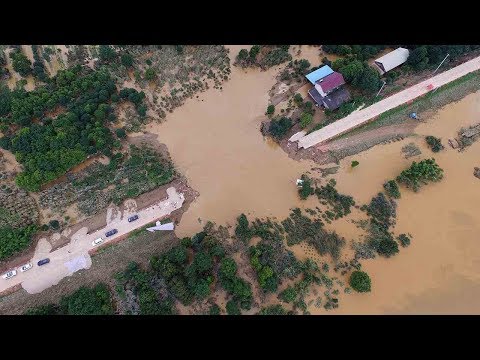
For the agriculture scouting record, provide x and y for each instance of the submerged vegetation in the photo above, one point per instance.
(420, 173)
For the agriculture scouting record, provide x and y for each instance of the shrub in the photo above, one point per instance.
(434, 143)
(355, 163)
(360, 281)
(214, 310)
(392, 189)
(305, 120)
(150, 74)
(273, 310)
(387, 247)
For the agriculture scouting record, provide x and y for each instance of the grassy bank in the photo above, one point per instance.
(444, 95)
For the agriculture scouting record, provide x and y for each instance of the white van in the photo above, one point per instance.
(97, 241)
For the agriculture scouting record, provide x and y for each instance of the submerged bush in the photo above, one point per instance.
(360, 281)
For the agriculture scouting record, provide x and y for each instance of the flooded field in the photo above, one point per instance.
(215, 142)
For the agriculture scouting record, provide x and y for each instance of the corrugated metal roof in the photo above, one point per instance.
(319, 74)
(331, 82)
(393, 59)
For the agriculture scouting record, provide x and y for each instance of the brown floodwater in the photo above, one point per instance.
(215, 142)
(439, 273)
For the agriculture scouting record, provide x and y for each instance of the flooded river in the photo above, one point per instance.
(215, 142)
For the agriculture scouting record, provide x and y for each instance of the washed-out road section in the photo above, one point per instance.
(361, 117)
(75, 256)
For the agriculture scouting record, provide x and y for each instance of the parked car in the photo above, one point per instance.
(43, 262)
(25, 267)
(97, 241)
(111, 232)
(9, 274)
(132, 218)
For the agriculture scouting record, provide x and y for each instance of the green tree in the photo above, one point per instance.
(360, 281)
(392, 189)
(279, 127)
(127, 60)
(88, 301)
(243, 54)
(242, 230)
(150, 74)
(273, 310)
(404, 240)
(214, 310)
(420, 173)
(21, 63)
(254, 50)
(288, 295)
(270, 109)
(106, 53)
(121, 133)
(354, 163)
(232, 308)
(48, 309)
(434, 143)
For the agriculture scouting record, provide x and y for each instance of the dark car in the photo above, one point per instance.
(111, 232)
(43, 262)
(132, 218)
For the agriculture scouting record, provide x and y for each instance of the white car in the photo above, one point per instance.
(97, 241)
(26, 267)
(9, 274)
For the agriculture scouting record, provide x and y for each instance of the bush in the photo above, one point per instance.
(14, 240)
(392, 189)
(360, 281)
(355, 163)
(88, 301)
(434, 143)
(232, 308)
(273, 310)
(305, 120)
(387, 247)
(270, 109)
(279, 127)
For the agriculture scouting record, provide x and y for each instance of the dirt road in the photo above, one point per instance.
(75, 256)
(362, 116)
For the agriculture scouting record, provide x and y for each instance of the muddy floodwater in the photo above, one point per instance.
(215, 142)
(439, 273)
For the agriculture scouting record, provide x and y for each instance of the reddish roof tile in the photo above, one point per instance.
(330, 82)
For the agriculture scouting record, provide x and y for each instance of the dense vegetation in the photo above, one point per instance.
(13, 240)
(360, 281)
(340, 204)
(48, 147)
(84, 301)
(420, 173)
(20, 62)
(361, 52)
(263, 56)
(359, 74)
(429, 56)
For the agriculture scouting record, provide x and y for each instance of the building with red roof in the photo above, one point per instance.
(329, 91)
